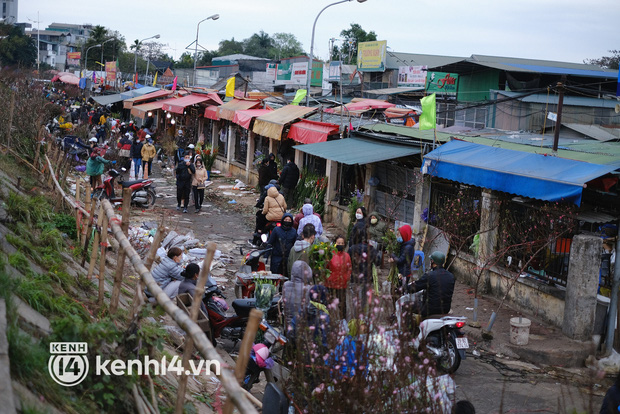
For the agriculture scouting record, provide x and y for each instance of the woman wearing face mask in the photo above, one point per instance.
(282, 239)
(360, 221)
(407, 252)
(185, 170)
(198, 184)
(338, 281)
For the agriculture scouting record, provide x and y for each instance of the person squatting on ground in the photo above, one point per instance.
(282, 239)
(338, 280)
(198, 184)
(188, 285)
(94, 167)
(184, 171)
(167, 273)
(148, 153)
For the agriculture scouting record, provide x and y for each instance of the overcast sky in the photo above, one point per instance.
(562, 30)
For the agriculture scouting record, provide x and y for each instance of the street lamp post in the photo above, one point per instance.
(312, 45)
(135, 52)
(86, 58)
(213, 17)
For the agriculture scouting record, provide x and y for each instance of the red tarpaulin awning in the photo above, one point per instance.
(141, 111)
(129, 103)
(244, 118)
(361, 106)
(311, 132)
(227, 111)
(179, 104)
(211, 113)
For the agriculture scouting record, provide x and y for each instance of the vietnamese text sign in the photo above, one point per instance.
(110, 66)
(334, 71)
(371, 56)
(299, 75)
(409, 76)
(283, 73)
(317, 74)
(442, 83)
(74, 55)
(272, 69)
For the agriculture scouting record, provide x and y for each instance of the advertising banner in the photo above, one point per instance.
(272, 69)
(284, 71)
(442, 83)
(334, 71)
(110, 66)
(410, 76)
(317, 74)
(74, 55)
(300, 73)
(371, 56)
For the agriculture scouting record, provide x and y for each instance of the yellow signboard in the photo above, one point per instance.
(371, 56)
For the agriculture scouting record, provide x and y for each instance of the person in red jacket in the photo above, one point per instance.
(340, 268)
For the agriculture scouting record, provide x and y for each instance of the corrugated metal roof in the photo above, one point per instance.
(409, 132)
(352, 151)
(394, 91)
(396, 59)
(552, 99)
(594, 131)
(541, 66)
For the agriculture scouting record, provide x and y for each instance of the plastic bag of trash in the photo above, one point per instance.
(191, 243)
(238, 185)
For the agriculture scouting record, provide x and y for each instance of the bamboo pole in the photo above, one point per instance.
(37, 153)
(189, 342)
(87, 205)
(11, 111)
(244, 351)
(53, 154)
(102, 256)
(201, 342)
(89, 231)
(118, 275)
(150, 257)
(78, 213)
(93, 254)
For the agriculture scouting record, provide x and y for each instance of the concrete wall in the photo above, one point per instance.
(544, 301)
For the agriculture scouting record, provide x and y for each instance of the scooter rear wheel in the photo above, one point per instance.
(451, 359)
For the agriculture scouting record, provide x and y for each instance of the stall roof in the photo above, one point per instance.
(597, 132)
(394, 91)
(227, 110)
(353, 151)
(180, 104)
(358, 106)
(129, 103)
(211, 112)
(310, 132)
(271, 125)
(244, 118)
(117, 97)
(515, 172)
(140, 110)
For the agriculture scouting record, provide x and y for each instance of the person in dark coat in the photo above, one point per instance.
(273, 167)
(288, 180)
(184, 171)
(407, 252)
(282, 239)
(439, 286)
(135, 153)
(363, 257)
(611, 402)
(264, 173)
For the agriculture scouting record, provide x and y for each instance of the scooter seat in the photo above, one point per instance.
(130, 183)
(243, 307)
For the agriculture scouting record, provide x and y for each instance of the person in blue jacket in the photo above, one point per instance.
(407, 252)
(282, 239)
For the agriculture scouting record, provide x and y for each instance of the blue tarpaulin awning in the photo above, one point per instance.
(531, 175)
(352, 151)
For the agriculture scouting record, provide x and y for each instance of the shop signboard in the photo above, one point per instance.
(371, 56)
(442, 83)
(411, 76)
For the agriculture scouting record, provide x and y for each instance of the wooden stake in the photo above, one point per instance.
(150, 257)
(11, 110)
(78, 213)
(93, 255)
(89, 230)
(189, 342)
(102, 255)
(118, 275)
(38, 150)
(244, 351)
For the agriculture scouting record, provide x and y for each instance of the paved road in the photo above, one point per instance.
(497, 385)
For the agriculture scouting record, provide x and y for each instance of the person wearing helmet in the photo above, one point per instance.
(439, 286)
(94, 166)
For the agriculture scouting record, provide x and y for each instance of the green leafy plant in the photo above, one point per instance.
(319, 257)
(208, 155)
(311, 186)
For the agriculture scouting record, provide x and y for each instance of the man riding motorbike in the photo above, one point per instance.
(439, 286)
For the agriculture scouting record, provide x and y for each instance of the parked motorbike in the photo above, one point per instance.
(143, 191)
(273, 341)
(440, 335)
(231, 326)
(73, 146)
(253, 268)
